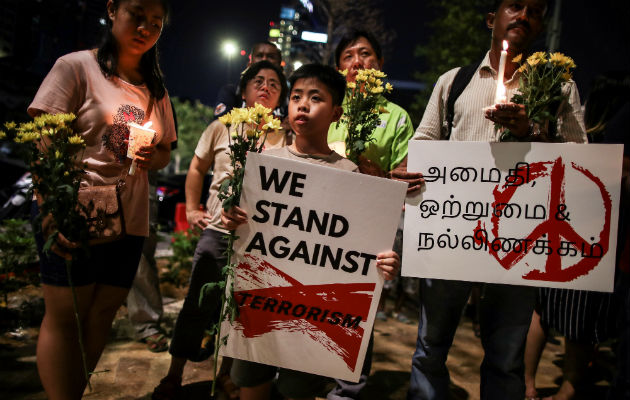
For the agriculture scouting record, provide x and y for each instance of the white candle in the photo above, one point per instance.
(501, 96)
(139, 136)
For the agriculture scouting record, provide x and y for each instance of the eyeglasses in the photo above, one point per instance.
(272, 84)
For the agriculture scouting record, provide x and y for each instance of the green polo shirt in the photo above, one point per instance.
(391, 136)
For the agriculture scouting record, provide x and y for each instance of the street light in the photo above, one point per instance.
(229, 49)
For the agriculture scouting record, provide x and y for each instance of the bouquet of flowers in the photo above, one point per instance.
(247, 129)
(540, 89)
(51, 151)
(361, 113)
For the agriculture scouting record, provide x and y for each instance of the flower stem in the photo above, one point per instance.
(79, 327)
(223, 314)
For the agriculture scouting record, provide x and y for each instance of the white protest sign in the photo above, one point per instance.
(535, 214)
(306, 285)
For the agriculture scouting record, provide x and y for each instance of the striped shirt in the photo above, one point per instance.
(469, 122)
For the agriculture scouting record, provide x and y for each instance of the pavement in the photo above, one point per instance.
(130, 371)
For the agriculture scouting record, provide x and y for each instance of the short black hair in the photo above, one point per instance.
(351, 37)
(265, 43)
(330, 77)
(251, 72)
(497, 4)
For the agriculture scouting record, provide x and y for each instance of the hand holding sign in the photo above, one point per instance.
(311, 262)
(518, 213)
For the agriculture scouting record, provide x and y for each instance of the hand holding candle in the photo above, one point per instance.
(501, 95)
(139, 136)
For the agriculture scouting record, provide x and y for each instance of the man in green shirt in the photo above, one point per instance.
(360, 50)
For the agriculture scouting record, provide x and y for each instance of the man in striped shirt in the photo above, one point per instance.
(505, 310)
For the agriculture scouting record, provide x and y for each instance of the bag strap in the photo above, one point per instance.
(461, 80)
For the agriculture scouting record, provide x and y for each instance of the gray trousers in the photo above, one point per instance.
(144, 301)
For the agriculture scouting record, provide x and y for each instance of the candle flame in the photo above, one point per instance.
(147, 125)
(505, 45)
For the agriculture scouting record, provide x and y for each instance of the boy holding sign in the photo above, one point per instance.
(314, 103)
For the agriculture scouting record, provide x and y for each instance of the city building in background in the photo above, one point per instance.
(299, 33)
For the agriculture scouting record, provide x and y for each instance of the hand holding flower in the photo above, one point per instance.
(369, 167)
(510, 115)
(233, 217)
(61, 246)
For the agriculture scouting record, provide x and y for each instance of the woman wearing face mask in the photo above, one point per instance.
(106, 88)
(262, 83)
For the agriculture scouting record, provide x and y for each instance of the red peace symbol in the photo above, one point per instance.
(552, 227)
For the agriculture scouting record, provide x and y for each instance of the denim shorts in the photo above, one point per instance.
(113, 263)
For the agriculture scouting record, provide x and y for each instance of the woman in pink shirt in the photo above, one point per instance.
(106, 88)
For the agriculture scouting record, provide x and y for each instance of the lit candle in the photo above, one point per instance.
(139, 136)
(501, 95)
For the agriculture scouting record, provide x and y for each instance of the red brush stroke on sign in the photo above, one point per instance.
(553, 228)
(259, 278)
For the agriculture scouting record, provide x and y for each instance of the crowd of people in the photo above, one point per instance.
(121, 82)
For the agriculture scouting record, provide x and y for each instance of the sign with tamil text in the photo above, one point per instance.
(536, 214)
(306, 285)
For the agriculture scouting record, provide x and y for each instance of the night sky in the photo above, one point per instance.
(191, 56)
(191, 49)
(593, 33)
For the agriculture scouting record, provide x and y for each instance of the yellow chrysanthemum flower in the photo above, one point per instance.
(271, 123)
(3, 135)
(517, 58)
(351, 85)
(27, 127)
(569, 63)
(247, 115)
(260, 111)
(41, 121)
(10, 125)
(65, 118)
(557, 58)
(377, 90)
(75, 140)
(541, 55)
(567, 76)
(532, 61)
(344, 72)
(239, 115)
(27, 136)
(226, 119)
(376, 73)
(49, 131)
(389, 87)
(252, 133)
